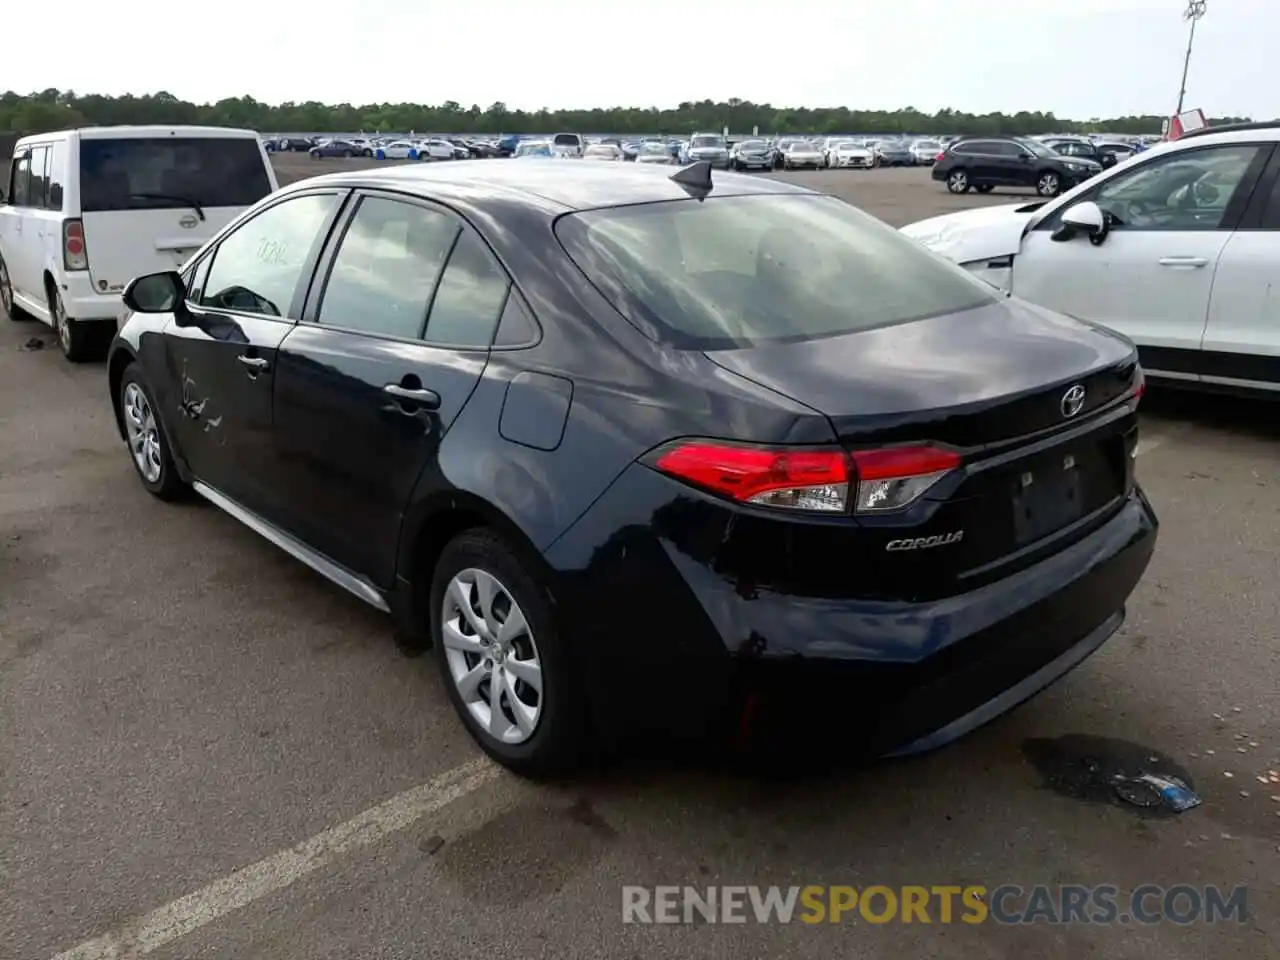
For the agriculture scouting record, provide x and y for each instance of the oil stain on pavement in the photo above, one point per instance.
(1111, 771)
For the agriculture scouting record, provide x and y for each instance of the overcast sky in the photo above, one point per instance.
(1080, 59)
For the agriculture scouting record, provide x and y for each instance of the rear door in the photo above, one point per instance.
(392, 345)
(20, 244)
(243, 299)
(1241, 345)
(1151, 278)
(148, 203)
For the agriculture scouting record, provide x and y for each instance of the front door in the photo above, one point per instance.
(367, 388)
(1151, 276)
(222, 349)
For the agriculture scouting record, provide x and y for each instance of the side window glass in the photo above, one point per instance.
(257, 268)
(1185, 191)
(470, 298)
(39, 161)
(386, 268)
(57, 174)
(20, 181)
(1271, 216)
(516, 328)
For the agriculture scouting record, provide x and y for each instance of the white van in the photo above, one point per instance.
(85, 211)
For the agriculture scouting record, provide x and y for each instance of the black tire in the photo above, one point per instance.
(367, 154)
(168, 485)
(958, 181)
(1048, 183)
(347, 154)
(11, 310)
(985, 187)
(315, 154)
(560, 738)
(75, 337)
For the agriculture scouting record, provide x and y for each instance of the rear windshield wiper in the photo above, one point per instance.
(189, 201)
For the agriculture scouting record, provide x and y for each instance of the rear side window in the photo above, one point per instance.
(57, 174)
(386, 269)
(470, 296)
(737, 271)
(166, 173)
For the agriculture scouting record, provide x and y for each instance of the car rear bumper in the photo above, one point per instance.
(82, 302)
(662, 624)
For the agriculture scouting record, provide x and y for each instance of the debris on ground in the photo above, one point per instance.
(35, 343)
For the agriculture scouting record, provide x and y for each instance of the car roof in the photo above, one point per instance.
(568, 184)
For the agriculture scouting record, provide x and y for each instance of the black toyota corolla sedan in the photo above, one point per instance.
(641, 450)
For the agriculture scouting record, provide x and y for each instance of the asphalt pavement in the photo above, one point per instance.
(206, 751)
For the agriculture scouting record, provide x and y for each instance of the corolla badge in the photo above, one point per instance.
(188, 222)
(1072, 401)
(925, 543)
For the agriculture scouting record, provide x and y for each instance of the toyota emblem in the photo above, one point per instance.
(1072, 401)
(188, 222)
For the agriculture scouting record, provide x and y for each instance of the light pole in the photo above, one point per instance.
(1194, 11)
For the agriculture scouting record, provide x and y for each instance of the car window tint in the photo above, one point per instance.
(1188, 190)
(1006, 148)
(171, 173)
(39, 176)
(470, 298)
(737, 271)
(20, 181)
(386, 268)
(57, 174)
(257, 267)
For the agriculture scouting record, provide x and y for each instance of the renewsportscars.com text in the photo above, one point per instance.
(945, 904)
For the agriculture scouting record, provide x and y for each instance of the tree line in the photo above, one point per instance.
(59, 109)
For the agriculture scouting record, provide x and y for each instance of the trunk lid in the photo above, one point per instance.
(128, 243)
(993, 384)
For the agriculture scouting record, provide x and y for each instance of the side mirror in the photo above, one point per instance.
(155, 293)
(1084, 217)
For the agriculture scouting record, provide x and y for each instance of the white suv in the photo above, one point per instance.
(1177, 248)
(85, 211)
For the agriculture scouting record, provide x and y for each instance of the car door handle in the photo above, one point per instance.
(427, 399)
(255, 364)
(1183, 262)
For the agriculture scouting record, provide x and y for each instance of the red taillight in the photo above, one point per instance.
(895, 477)
(74, 254)
(938, 158)
(820, 480)
(772, 477)
(1141, 386)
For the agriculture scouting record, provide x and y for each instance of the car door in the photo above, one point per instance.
(1151, 276)
(221, 352)
(1241, 345)
(20, 242)
(982, 160)
(388, 354)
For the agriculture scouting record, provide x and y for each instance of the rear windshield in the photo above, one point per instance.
(567, 140)
(707, 142)
(171, 173)
(737, 271)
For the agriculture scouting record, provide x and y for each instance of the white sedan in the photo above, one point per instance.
(851, 153)
(397, 150)
(436, 150)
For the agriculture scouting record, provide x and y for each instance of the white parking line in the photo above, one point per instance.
(179, 918)
(1147, 444)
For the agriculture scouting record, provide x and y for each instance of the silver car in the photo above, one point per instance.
(803, 154)
(654, 152)
(751, 155)
(709, 146)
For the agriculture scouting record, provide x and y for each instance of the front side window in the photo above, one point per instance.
(1188, 190)
(257, 268)
(170, 173)
(386, 268)
(736, 271)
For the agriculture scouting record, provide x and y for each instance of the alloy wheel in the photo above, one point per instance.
(60, 323)
(6, 291)
(491, 655)
(1048, 185)
(143, 433)
(958, 181)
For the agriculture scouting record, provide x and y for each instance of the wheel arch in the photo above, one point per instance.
(428, 528)
(120, 359)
